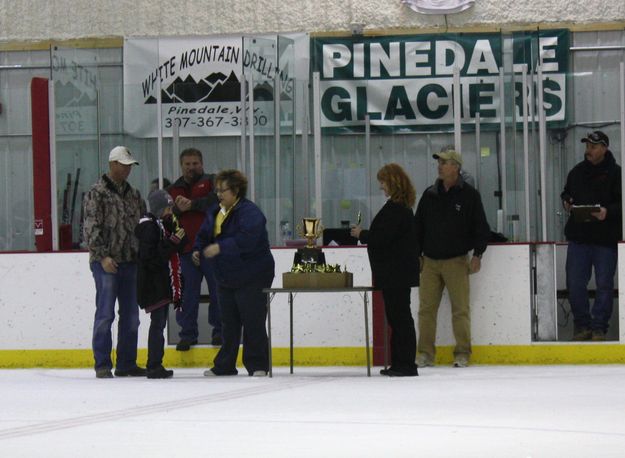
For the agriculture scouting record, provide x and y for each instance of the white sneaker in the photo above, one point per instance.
(461, 361)
(259, 374)
(423, 360)
(209, 373)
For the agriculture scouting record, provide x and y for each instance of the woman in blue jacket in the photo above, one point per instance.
(234, 237)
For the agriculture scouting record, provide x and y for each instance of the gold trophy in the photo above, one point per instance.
(311, 229)
(309, 270)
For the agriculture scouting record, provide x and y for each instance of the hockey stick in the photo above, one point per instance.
(71, 214)
(68, 186)
(82, 219)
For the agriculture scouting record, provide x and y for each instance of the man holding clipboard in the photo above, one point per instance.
(592, 195)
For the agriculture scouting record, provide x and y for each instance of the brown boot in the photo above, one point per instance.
(598, 335)
(582, 334)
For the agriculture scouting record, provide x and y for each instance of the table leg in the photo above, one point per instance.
(291, 329)
(269, 298)
(385, 340)
(367, 334)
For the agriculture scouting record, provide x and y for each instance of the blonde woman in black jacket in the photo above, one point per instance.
(391, 245)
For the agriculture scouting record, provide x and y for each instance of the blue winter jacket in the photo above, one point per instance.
(244, 251)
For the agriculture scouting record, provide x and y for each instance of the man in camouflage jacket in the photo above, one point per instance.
(112, 209)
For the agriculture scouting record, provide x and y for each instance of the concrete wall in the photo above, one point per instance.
(66, 19)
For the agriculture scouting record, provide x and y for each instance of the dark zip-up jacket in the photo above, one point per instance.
(157, 276)
(588, 184)
(392, 247)
(244, 250)
(451, 223)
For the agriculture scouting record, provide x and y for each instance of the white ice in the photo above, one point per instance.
(480, 411)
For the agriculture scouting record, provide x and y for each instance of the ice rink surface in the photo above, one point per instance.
(480, 411)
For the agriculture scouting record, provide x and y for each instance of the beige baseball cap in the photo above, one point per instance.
(447, 153)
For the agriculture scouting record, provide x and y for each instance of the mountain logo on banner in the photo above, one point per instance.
(70, 95)
(215, 87)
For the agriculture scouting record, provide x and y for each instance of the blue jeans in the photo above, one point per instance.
(187, 317)
(120, 286)
(580, 259)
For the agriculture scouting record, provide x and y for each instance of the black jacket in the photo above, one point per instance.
(154, 284)
(392, 247)
(451, 223)
(589, 184)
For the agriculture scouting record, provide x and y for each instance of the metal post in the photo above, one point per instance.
(291, 330)
(241, 160)
(252, 171)
(269, 299)
(98, 118)
(317, 143)
(457, 102)
(54, 207)
(276, 117)
(502, 145)
(526, 152)
(365, 302)
(305, 161)
(478, 149)
(368, 162)
(159, 135)
(385, 340)
(542, 149)
(175, 151)
(622, 91)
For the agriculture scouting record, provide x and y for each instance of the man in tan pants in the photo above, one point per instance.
(450, 222)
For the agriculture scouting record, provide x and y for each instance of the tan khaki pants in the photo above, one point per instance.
(435, 276)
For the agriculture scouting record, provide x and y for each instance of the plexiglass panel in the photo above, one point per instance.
(76, 120)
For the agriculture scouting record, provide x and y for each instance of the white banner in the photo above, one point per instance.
(199, 80)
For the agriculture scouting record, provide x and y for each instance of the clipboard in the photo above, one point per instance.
(583, 213)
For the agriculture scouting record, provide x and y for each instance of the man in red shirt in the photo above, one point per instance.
(193, 195)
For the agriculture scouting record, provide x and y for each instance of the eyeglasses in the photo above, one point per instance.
(221, 191)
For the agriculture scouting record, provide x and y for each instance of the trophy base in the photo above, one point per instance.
(316, 280)
(309, 256)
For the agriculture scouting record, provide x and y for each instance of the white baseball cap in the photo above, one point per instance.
(122, 155)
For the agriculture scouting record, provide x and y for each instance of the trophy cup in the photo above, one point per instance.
(310, 229)
(310, 270)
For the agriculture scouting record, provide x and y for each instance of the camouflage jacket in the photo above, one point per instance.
(111, 214)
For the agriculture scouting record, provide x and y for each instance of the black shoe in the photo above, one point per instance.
(392, 372)
(103, 373)
(185, 345)
(216, 340)
(160, 372)
(134, 372)
(213, 373)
